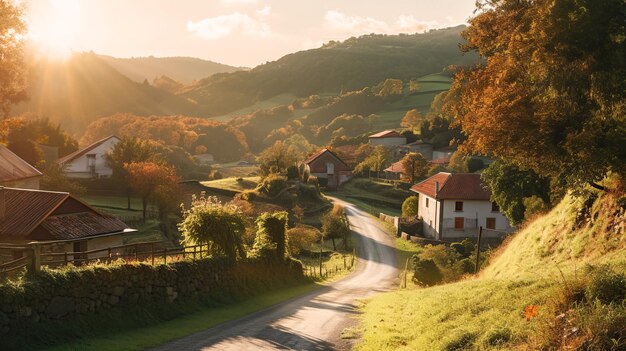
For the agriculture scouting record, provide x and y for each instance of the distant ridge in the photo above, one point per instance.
(182, 69)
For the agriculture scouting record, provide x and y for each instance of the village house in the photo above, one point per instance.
(89, 162)
(443, 152)
(17, 173)
(58, 221)
(454, 206)
(422, 147)
(328, 168)
(387, 138)
(395, 171)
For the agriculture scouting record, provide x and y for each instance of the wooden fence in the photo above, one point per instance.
(151, 252)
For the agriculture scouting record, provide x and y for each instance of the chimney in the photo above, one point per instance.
(436, 188)
(3, 207)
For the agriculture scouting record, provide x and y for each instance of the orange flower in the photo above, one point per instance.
(530, 311)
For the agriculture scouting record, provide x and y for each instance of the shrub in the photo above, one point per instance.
(274, 184)
(335, 225)
(534, 204)
(292, 172)
(410, 207)
(220, 227)
(425, 271)
(271, 239)
(606, 286)
(301, 238)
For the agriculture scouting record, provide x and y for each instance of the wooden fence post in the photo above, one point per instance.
(36, 259)
(480, 236)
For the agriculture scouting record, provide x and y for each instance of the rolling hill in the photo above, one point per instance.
(182, 69)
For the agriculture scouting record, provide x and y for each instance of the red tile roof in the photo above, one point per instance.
(28, 210)
(440, 161)
(459, 186)
(13, 168)
(387, 134)
(79, 153)
(395, 167)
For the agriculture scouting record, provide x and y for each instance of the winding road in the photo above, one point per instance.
(313, 321)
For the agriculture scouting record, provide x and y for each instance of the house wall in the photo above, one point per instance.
(78, 168)
(429, 216)
(28, 183)
(475, 214)
(442, 153)
(389, 142)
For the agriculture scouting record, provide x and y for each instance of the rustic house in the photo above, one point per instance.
(329, 168)
(395, 171)
(56, 219)
(15, 172)
(90, 162)
(454, 206)
(424, 148)
(388, 138)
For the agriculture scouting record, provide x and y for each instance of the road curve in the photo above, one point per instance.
(316, 320)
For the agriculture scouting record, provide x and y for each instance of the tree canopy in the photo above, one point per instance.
(550, 95)
(12, 81)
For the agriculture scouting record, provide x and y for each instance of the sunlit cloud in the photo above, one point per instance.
(239, 1)
(264, 11)
(236, 23)
(357, 25)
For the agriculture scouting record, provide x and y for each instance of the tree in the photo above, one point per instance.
(415, 166)
(551, 93)
(335, 225)
(458, 163)
(276, 158)
(126, 151)
(510, 185)
(412, 119)
(301, 238)
(376, 161)
(271, 238)
(54, 179)
(410, 207)
(12, 78)
(219, 226)
(151, 181)
(27, 150)
(42, 131)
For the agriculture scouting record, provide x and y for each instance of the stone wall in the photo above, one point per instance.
(59, 295)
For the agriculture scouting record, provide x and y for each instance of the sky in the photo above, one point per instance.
(235, 32)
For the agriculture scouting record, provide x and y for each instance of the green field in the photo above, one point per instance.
(278, 100)
(372, 196)
(233, 169)
(233, 184)
(486, 312)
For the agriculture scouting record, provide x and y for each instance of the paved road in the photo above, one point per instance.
(314, 321)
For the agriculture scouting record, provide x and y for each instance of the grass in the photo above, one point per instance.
(332, 261)
(142, 338)
(232, 184)
(372, 196)
(278, 100)
(233, 169)
(486, 312)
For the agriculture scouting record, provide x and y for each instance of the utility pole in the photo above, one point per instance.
(480, 236)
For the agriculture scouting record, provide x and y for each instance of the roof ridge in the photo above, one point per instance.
(87, 148)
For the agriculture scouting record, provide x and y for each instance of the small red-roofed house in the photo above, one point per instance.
(329, 168)
(388, 138)
(17, 173)
(455, 205)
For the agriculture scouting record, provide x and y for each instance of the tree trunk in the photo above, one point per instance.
(334, 246)
(597, 186)
(144, 203)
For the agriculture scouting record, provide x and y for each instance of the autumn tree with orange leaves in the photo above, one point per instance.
(154, 182)
(550, 95)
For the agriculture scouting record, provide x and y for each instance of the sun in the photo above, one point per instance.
(56, 32)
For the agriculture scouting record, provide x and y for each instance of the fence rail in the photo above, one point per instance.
(152, 252)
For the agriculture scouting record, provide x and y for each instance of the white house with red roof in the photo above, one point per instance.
(388, 138)
(455, 205)
(90, 162)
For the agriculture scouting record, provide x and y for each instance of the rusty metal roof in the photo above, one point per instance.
(26, 210)
(13, 168)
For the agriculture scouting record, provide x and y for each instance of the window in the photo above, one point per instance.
(458, 206)
(459, 222)
(490, 223)
(91, 162)
(495, 207)
(426, 202)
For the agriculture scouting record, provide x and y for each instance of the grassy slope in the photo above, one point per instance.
(373, 197)
(476, 312)
(232, 183)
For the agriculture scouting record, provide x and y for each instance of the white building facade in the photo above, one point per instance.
(387, 138)
(454, 206)
(90, 162)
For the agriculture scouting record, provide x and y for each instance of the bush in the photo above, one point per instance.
(292, 173)
(534, 204)
(301, 238)
(606, 286)
(410, 207)
(335, 225)
(426, 272)
(274, 184)
(271, 239)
